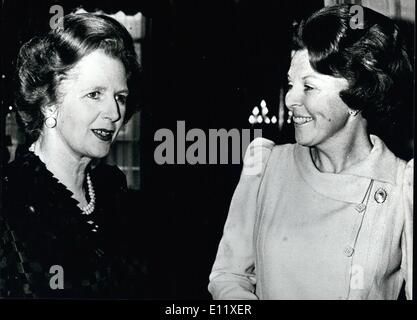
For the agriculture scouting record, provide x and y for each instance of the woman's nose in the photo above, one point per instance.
(293, 98)
(112, 110)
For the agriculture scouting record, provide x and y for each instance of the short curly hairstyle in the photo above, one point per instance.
(44, 61)
(372, 58)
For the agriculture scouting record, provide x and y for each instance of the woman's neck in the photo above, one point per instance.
(340, 154)
(67, 167)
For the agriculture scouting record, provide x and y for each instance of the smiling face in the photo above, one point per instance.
(92, 105)
(319, 114)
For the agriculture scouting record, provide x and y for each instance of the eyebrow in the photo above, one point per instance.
(123, 91)
(98, 88)
(310, 76)
(305, 77)
(101, 88)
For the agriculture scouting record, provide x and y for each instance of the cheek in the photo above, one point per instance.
(336, 117)
(331, 108)
(71, 120)
(64, 117)
(73, 116)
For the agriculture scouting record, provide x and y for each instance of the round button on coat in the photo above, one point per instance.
(348, 251)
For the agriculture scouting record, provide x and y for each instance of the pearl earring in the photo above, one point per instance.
(50, 122)
(290, 114)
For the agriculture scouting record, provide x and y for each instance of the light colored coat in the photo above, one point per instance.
(294, 232)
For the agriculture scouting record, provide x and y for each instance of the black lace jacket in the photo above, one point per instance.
(43, 230)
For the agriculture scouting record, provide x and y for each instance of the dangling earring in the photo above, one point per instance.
(289, 116)
(353, 112)
(50, 122)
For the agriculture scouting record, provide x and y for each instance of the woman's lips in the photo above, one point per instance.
(301, 120)
(103, 134)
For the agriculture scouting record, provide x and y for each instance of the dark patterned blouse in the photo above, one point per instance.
(49, 249)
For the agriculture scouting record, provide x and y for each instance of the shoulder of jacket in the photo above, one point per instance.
(404, 169)
(19, 172)
(260, 151)
(256, 156)
(283, 148)
(262, 144)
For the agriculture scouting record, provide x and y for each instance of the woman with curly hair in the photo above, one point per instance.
(64, 225)
(331, 216)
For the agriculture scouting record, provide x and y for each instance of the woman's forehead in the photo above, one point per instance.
(300, 65)
(301, 69)
(99, 69)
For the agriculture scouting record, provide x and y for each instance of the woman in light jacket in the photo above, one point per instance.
(331, 216)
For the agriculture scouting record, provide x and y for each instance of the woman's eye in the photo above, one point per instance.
(95, 95)
(308, 88)
(121, 98)
(289, 85)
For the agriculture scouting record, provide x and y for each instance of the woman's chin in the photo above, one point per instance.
(301, 139)
(98, 153)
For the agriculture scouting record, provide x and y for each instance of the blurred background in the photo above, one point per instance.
(211, 64)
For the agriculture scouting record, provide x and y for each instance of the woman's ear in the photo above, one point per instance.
(50, 113)
(50, 110)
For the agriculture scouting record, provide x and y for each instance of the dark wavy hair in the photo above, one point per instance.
(372, 58)
(44, 61)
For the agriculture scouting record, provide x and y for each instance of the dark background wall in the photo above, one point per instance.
(207, 63)
(212, 62)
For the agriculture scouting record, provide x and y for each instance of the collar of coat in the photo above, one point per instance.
(381, 165)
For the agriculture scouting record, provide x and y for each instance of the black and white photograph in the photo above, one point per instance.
(201, 152)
